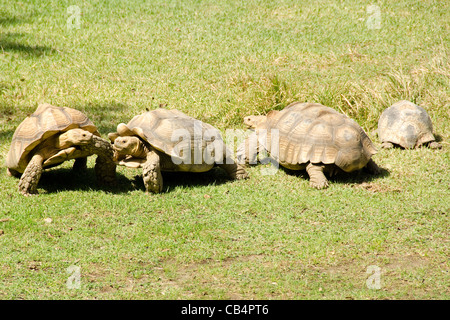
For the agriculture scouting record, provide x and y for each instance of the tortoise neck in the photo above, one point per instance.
(98, 146)
(141, 150)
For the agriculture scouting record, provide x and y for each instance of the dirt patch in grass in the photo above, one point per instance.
(209, 277)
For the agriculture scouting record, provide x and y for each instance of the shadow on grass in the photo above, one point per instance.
(355, 177)
(6, 136)
(65, 179)
(59, 179)
(6, 21)
(106, 116)
(7, 110)
(438, 137)
(10, 42)
(359, 177)
(173, 180)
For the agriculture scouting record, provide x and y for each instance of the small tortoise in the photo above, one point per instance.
(407, 125)
(169, 140)
(310, 136)
(52, 135)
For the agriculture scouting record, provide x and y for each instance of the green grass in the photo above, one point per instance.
(204, 237)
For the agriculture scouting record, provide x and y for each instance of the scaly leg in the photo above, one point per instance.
(235, 171)
(80, 164)
(316, 177)
(105, 168)
(435, 145)
(151, 172)
(30, 177)
(248, 150)
(387, 145)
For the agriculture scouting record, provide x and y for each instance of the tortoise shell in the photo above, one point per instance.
(44, 123)
(405, 124)
(171, 132)
(311, 132)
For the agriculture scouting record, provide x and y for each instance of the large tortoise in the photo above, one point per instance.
(169, 140)
(407, 125)
(309, 136)
(52, 135)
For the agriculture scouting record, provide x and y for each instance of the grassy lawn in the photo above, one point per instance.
(205, 237)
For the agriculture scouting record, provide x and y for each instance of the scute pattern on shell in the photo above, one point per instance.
(405, 124)
(45, 122)
(311, 132)
(161, 128)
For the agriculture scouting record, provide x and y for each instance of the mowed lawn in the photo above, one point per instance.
(205, 237)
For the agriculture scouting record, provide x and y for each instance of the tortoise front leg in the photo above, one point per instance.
(387, 145)
(80, 164)
(316, 177)
(151, 172)
(247, 151)
(105, 168)
(30, 177)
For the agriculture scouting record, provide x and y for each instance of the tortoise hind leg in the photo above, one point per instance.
(151, 172)
(316, 177)
(435, 145)
(30, 177)
(235, 171)
(387, 145)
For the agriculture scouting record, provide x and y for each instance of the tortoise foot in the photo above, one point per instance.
(387, 145)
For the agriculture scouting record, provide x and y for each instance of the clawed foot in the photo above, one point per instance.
(26, 189)
(241, 173)
(316, 177)
(152, 177)
(242, 176)
(387, 145)
(435, 145)
(322, 184)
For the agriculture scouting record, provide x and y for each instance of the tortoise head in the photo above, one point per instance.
(129, 145)
(252, 122)
(74, 137)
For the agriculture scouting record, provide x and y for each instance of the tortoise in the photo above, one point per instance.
(52, 135)
(309, 136)
(407, 125)
(169, 140)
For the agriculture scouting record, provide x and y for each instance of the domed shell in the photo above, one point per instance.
(405, 124)
(45, 122)
(311, 132)
(172, 131)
